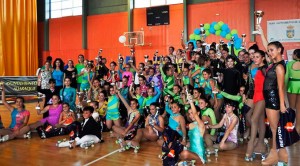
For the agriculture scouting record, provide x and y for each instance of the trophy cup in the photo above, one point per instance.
(156, 56)
(221, 42)
(1, 84)
(146, 58)
(232, 40)
(120, 59)
(98, 58)
(259, 14)
(243, 41)
(202, 33)
(39, 96)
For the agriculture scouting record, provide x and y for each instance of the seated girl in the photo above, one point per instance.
(128, 132)
(19, 116)
(207, 114)
(49, 122)
(154, 126)
(89, 133)
(67, 117)
(231, 123)
(174, 135)
(196, 149)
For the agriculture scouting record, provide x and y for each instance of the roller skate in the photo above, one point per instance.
(281, 163)
(209, 152)
(160, 156)
(87, 144)
(4, 138)
(120, 142)
(27, 135)
(71, 142)
(129, 145)
(60, 141)
(250, 158)
(186, 163)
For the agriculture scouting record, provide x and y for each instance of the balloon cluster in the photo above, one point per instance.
(219, 29)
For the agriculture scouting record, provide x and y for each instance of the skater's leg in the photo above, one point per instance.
(118, 130)
(228, 145)
(186, 155)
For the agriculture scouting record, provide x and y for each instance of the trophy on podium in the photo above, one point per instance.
(243, 41)
(146, 58)
(259, 14)
(202, 33)
(120, 59)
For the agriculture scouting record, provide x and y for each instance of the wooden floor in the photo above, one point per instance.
(36, 151)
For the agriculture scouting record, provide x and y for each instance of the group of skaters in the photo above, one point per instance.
(193, 102)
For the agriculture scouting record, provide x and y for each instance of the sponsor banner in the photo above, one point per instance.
(19, 85)
(284, 30)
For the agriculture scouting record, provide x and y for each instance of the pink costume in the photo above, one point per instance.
(54, 114)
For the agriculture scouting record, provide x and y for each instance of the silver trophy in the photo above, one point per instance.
(39, 96)
(243, 40)
(259, 14)
(120, 59)
(232, 40)
(155, 57)
(202, 33)
(221, 42)
(146, 58)
(98, 58)
(182, 34)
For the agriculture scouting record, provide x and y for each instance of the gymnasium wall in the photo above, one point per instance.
(103, 29)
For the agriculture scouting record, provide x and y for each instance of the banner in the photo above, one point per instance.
(284, 30)
(19, 85)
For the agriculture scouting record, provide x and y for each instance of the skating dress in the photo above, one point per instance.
(270, 92)
(113, 108)
(292, 78)
(259, 84)
(54, 114)
(197, 142)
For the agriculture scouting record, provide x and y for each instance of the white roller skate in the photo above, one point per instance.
(250, 158)
(27, 135)
(120, 142)
(186, 163)
(4, 138)
(60, 141)
(71, 144)
(280, 163)
(209, 152)
(129, 145)
(87, 144)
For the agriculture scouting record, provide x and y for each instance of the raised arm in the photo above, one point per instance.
(263, 38)
(196, 116)
(39, 112)
(9, 107)
(124, 101)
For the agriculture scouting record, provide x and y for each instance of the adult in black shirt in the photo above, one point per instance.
(48, 94)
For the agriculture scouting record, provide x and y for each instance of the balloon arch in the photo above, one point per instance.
(218, 29)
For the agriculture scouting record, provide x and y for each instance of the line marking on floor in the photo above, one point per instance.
(100, 158)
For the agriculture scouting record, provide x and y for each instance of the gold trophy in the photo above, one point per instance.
(182, 34)
(259, 14)
(243, 41)
(98, 58)
(1, 84)
(156, 57)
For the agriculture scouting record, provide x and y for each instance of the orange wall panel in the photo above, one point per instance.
(235, 13)
(41, 43)
(103, 32)
(65, 37)
(161, 37)
(278, 10)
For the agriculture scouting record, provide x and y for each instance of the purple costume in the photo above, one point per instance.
(54, 114)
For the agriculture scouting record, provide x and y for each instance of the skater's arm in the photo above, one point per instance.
(231, 97)
(196, 116)
(9, 107)
(219, 125)
(161, 126)
(124, 101)
(44, 110)
(61, 121)
(183, 129)
(229, 129)
(281, 88)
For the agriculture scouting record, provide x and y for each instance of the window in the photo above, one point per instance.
(63, 8)
(149, 3)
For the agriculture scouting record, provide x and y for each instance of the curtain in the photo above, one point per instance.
(18, 38)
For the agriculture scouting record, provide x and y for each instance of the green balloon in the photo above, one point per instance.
(218, 32)
(217, 27)
(197, 37)
(234, 31)
(192, 36)
(206, 26)
(236, 52)
(220, 23)
(207, 33)
(228, 36)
